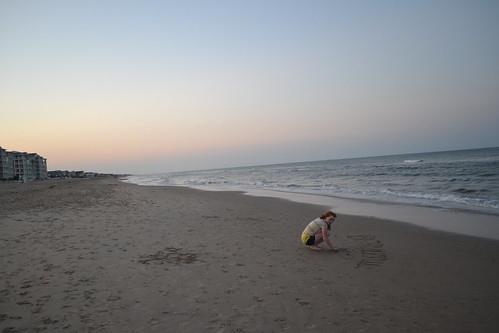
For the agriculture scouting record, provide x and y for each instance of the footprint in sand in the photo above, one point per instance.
(210, 216)
(302, 302)
(170, 255)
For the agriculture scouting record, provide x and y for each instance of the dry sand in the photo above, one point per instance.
(105, 256)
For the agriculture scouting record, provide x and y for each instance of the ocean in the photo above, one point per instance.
(464, 179)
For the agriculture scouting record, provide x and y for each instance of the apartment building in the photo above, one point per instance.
(6, 165)
(22, 166)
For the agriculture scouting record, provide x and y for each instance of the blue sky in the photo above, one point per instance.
(151, 86)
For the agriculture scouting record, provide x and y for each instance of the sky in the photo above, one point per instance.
(157, 86)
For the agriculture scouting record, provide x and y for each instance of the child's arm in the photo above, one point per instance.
(325, 236)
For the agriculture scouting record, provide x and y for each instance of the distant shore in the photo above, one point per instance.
(101, 255)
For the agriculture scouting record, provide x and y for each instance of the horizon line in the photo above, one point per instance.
(313, 161)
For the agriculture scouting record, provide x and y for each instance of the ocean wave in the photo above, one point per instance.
(478, 202)
(465, 190)
(145, 180)
(437, 179)
(488, 175)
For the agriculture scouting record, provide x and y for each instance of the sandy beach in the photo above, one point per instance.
(104, 256)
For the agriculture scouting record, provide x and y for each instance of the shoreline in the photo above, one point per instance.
(455, 221)
(483, 225)
(103, 255)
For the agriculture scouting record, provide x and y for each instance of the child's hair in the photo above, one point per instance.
(327, 214)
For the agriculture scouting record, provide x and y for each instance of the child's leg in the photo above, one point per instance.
(318, 239)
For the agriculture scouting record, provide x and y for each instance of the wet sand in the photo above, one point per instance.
(104, 256)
